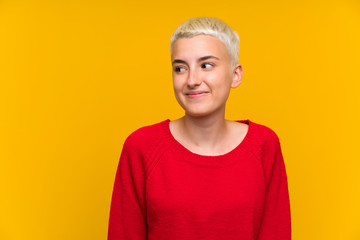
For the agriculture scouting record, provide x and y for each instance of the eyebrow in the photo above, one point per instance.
(199, 60)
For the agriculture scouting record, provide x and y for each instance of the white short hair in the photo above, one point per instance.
(210, 26)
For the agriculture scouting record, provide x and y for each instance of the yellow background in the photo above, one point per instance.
(77, 77)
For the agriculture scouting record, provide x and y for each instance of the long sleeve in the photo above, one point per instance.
(127, 219)
(276, 222)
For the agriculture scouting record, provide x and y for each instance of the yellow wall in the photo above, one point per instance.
(78, 76)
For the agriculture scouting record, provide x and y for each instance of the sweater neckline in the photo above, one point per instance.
(217, 160)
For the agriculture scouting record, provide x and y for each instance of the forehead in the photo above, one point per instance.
(197, 47)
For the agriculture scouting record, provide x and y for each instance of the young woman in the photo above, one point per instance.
(202, 176)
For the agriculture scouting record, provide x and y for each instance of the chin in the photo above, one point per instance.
(197, 113)
(203, 112)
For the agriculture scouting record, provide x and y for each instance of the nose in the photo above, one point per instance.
(193, 79)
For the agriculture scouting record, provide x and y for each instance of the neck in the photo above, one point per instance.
(204, 132)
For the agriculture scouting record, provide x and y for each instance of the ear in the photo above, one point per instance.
(237, 76)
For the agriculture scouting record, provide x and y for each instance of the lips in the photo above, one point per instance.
(196, 94)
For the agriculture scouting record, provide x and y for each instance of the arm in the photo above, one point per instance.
(127, 219)
(276, 222)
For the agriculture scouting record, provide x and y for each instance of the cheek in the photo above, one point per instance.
(219, 82)
(177, 83)
(221, 87)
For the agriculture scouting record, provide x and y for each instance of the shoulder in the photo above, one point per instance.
(262, 140)
(146, 138)
(264, 144)
(144, 147)
(147, 134)
(264, 133)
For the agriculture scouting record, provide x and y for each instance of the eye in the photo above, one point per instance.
(207, 65)
(179, 69)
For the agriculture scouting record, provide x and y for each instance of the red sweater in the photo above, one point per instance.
(163, 191)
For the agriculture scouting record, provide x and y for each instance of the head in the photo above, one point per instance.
(204, 56)
(209, 26)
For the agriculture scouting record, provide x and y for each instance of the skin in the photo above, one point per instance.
(202, 83)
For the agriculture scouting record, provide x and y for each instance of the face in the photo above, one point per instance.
(201, 75)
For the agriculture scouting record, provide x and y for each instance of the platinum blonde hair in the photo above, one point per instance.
(210, 26)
